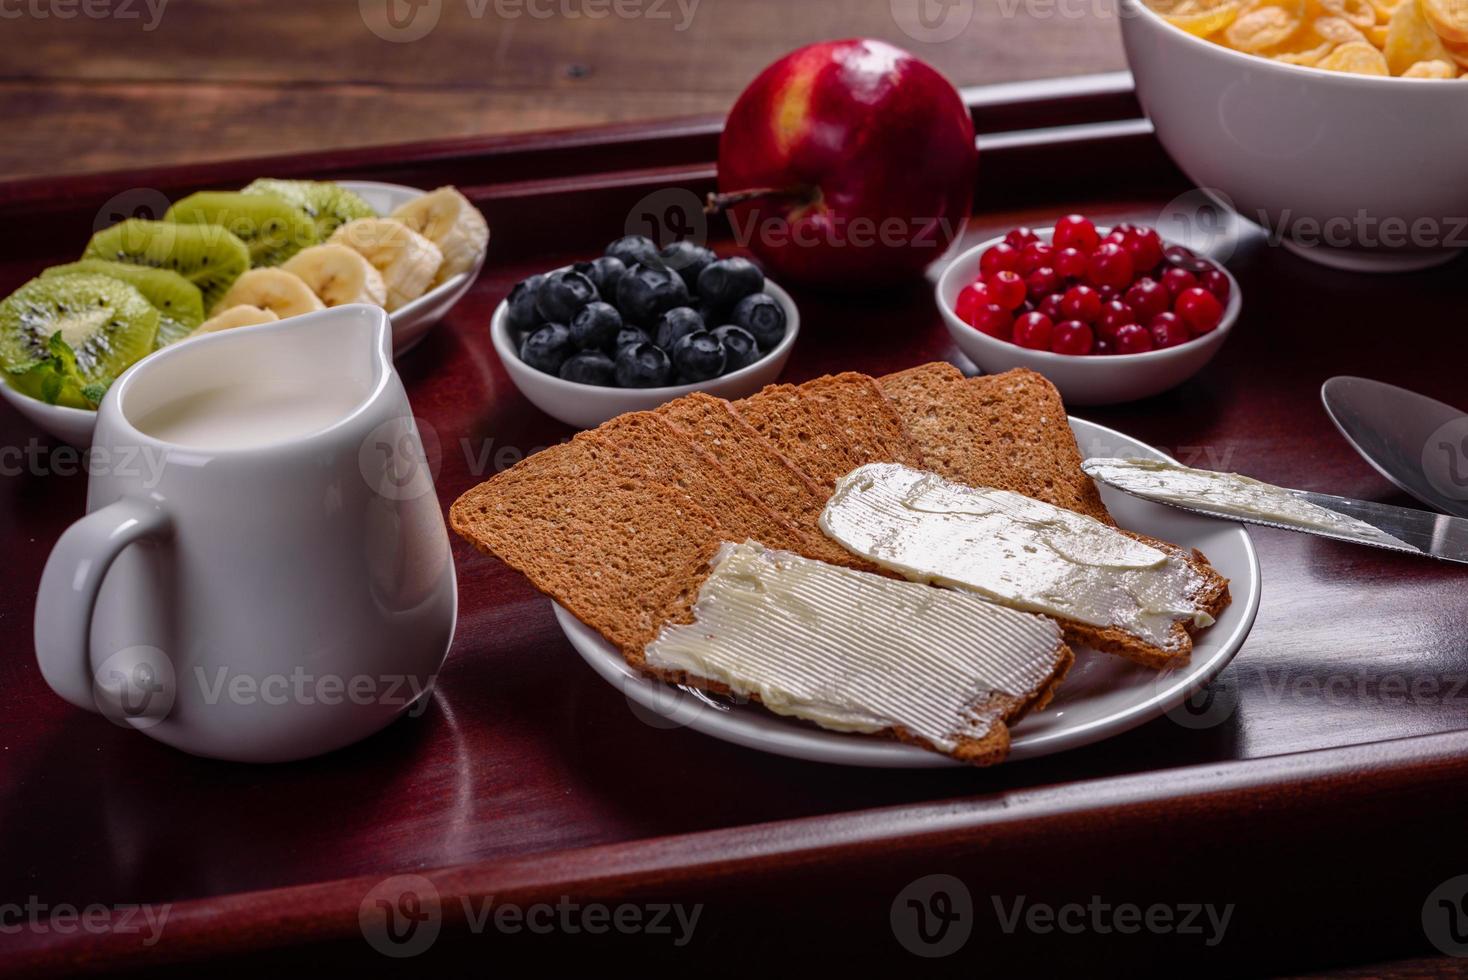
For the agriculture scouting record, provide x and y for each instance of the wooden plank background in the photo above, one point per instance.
(91, 85)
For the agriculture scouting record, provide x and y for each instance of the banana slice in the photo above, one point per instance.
(446, 218)
(338, 275)
(276, 290)
(235, 316)
(407, 260)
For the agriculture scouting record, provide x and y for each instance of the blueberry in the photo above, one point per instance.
(675, 324)
(643, 366)
(687, 259)
(740, 348)
(634, 250)
(762, 315)
(604, 273)
(727, 281)
(563, 294)
(698, 356)
(631, 335)
(520, 312)
(590, 367)
(646, 292)
(547, 348)
(595, 327)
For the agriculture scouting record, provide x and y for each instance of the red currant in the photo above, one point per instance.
(1102, 346)
(1081, 303)
(1078, 231)
(1034, 255)
(970, 299)
(1006, 289)
(1071, 337)
(1216, 282)
(1033, 331)
(1043, 281)
(1114, 315)
(1071, 262)
(994, 321)
(1178, 281)
(1051, 306)
(1148, 297)
(1000, 258)
(1168, 331)
(1110, 266)
(1020, 237)
(1199, 309)
(1145, 248)
(1133, 338)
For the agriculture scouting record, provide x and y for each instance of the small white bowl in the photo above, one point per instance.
(1091, 379)
(587, 406)
(1359, 172)
(410, 324)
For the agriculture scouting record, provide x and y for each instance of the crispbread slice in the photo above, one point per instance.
(1008, 431)
(801, 433)
(865, 416)
(641, 443)
(622, 555)
(713, 427)
(1212, 597)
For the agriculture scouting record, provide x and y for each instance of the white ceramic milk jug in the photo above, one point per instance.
(263, 572)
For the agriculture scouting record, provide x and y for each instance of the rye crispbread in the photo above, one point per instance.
(865, 417)
(1007, 431)
(627, 557)
(801, 432)
(713, 427)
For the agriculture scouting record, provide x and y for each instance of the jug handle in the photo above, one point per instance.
(69, 586)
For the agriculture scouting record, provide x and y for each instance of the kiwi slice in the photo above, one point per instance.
(270, 226)
(179, 303)
(328, 204)
(63, 339)
(208, 256)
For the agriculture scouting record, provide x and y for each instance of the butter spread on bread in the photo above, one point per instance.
(857, 652)
(1014, 550)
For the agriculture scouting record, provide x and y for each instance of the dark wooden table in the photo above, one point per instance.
(1325, 803)
(224, 79)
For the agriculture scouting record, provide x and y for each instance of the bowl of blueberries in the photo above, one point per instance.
(639, 326)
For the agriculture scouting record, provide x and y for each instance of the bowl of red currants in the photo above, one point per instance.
(639, 326)
(1109, 315)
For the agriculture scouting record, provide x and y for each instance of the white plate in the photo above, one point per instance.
(410, 323)
(1103, 695)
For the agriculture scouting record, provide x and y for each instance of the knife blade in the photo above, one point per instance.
(1363, 522)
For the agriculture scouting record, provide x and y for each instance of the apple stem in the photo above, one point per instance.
(717, 203)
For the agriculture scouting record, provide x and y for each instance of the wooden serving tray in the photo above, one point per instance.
(1325, 805)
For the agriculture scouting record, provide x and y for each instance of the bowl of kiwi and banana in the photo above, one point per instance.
(219, 260)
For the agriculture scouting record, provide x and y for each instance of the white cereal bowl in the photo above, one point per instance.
(587, 406)
(410, 323)
(1358, 172)
(1081, 380)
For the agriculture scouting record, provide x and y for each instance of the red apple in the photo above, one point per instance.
(847, 163)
